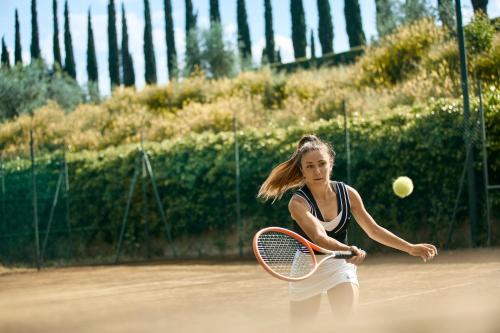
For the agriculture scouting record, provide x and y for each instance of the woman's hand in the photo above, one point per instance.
(424, 251)
(359, 256)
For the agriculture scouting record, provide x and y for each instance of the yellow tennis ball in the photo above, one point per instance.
(402, 186)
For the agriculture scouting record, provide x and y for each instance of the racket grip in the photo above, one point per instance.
(344, 255)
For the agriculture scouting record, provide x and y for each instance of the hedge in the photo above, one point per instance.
(196, 181)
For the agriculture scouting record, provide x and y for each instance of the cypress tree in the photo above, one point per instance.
(192, 56)
(127, 63)
(92, 72)
(325, 27)
(69, 62)
(298, 29)
(244, 43)
(191, 17)
(278, 56)
(55, 45)
(149, 53)
(353, 23)
(214, 11)
(170, 37)
(263, 57)
(18, 54)
(35, 44)
(480, 5)
(385, 18)
(268, 17)
(113, 56)
(446, 12)
(5, 55)
(313, 46)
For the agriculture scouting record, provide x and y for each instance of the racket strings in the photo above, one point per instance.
(285, 255)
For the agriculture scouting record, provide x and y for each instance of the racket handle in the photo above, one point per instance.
(344, 255)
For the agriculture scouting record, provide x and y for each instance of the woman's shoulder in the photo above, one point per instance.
(297, 202)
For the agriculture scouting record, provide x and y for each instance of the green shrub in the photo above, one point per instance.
(398, 55)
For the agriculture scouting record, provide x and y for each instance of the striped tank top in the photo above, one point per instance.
(336, 228)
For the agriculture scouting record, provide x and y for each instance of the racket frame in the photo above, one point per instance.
(309, 245)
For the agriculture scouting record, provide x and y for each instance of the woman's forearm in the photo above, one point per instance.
(387, 238)
(330, 243)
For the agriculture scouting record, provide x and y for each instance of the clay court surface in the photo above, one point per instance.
(457, 292)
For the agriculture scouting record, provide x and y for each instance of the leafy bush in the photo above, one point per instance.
(23, 89)
(398, 55)
(479, 34)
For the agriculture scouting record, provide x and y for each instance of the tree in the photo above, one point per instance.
(313, 46)
(244, 43)
(268, 17)
(191, 17)
(35, 44)
(353, 23)
(218, 58)
(263, 58)
(18, 54)
(446, 12)
(149, 52)
(192, 55)
(325, 27)
(92, 73)
(298, 29)
(5, 59)
(128, 74)
(23, 89)
(113, 55)
(480, 5)
(170, 37)
(69, 62)
(214, 12)
(386, 20)
(55, 38)
(414, 10)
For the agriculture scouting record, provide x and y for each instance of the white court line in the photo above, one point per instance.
(427, 291)
(417, 294)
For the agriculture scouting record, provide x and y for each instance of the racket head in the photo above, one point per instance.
(284, 254)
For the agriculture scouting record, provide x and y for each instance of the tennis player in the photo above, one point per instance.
(322, 209)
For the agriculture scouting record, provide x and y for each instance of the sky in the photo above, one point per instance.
(135, 20)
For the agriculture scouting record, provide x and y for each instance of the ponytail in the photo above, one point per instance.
(288, 174)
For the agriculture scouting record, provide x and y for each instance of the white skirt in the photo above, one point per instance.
(329, 274)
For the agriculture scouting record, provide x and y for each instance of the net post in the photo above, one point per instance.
(34, 201)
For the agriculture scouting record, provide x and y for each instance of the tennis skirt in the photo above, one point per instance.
(329, 274)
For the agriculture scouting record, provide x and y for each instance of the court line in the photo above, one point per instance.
(417, 294)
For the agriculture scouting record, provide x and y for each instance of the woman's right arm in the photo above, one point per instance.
(299, 210)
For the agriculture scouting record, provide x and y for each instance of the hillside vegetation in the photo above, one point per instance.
(405, 118)
(416, 64)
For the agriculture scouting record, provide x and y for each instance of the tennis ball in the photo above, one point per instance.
(402, 186)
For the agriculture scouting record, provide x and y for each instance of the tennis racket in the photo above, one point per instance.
(289, 256)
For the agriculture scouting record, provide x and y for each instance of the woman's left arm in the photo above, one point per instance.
(381, 234)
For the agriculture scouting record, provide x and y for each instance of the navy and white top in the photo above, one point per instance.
(336, 228)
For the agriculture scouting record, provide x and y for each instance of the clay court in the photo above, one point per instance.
(458, 292)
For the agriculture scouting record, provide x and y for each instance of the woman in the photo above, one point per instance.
(322, 209)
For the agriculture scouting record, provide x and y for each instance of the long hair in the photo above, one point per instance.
(288, 174)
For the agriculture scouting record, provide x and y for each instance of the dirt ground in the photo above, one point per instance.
(457, 292)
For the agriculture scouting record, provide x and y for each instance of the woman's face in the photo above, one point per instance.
(316, 166)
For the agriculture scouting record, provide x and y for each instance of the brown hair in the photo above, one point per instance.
(288, 174)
